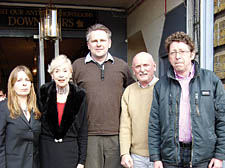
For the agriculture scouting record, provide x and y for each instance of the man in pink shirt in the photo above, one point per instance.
(187, 119)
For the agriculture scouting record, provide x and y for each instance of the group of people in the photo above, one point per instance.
(94, 115)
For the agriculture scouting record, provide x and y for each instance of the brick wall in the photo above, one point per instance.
(219, 64)
(219, 39)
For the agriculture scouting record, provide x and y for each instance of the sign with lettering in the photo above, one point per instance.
(28, 18)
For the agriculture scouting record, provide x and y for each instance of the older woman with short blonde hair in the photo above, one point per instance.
(63, 140)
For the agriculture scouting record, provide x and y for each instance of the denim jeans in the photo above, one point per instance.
(223, 164)
(141, 161)
(185, 155)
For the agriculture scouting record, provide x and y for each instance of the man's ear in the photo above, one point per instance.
(132, 69)
(88, 45)
(192, 55)
(110, 43)
(154, 66)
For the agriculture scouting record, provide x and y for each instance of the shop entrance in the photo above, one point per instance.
(25, 51)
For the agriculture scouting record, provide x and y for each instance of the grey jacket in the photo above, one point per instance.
(19, 140)
(207, 101)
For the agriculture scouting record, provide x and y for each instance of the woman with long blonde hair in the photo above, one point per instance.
(19, 122)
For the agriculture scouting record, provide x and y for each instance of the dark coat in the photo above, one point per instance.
(207, 108)
(19, 140)
(72, 130)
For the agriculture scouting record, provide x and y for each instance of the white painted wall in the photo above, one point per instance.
(149, 18)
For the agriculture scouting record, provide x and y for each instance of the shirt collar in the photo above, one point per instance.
(89, 58)
(190, 75)
(150, 83)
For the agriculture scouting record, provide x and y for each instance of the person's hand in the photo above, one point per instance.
(127, 161)
(80, 166)
(158, 164)
(215, 163)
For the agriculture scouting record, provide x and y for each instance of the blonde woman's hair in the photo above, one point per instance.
(13, 104)
(57, 61)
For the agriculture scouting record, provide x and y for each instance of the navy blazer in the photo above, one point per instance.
(19, 140)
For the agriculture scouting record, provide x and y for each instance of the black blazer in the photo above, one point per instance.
(19, 140)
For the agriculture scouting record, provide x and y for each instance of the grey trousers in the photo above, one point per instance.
(103, 152)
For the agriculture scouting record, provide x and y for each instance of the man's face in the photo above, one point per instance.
(2, 95)
(143, 67)
(99, 44)
(180, 57)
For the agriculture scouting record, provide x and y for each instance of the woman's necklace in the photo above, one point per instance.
(26, 113)
(63, 90)
(23, 106)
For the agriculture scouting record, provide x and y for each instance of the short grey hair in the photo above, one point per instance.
(57, 61)
(98, 27)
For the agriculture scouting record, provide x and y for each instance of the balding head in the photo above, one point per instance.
(143, 67)
(143, 55)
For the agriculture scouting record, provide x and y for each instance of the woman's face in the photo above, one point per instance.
(61, 75)
(22, 86)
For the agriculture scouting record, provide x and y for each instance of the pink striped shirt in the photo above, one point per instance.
(185, 116)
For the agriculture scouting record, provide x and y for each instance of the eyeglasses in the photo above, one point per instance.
(182, 53)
